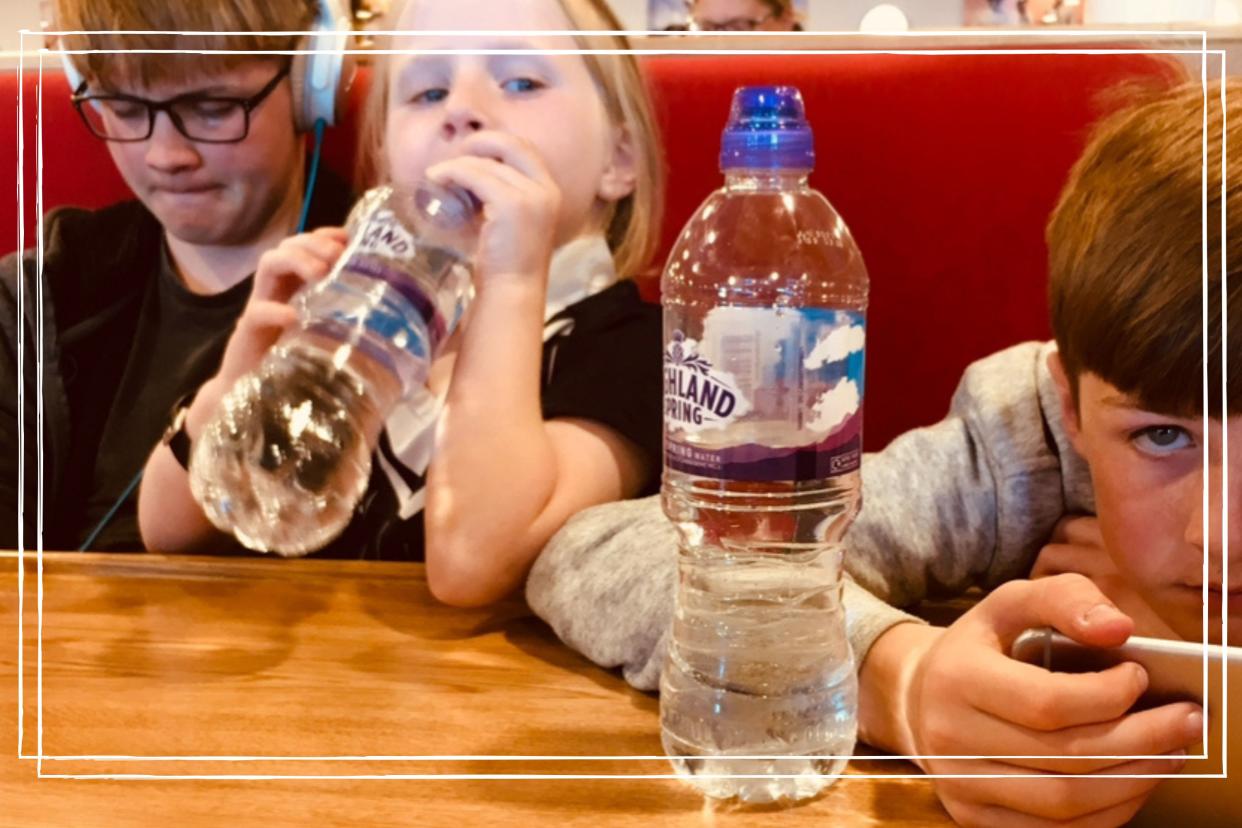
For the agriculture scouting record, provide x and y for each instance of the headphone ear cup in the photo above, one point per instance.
(72, 76)
(319, 84)
(319, 80)
(297, 87)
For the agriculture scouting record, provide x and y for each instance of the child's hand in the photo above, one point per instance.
(521, 205)
(1076, 545)
(284, 270)
(966, 697)
(297, 261)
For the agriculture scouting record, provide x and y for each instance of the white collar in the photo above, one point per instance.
(579, 268)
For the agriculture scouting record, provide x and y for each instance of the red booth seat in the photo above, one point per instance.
(945, 167)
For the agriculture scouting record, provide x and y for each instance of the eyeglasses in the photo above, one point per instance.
(733, 24)
(204, 118)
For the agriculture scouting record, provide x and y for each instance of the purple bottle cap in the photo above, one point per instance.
(767, 129)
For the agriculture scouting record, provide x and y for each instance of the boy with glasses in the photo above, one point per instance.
(744, 16)
(139, 298)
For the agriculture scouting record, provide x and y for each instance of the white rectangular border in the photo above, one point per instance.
(1203, 52)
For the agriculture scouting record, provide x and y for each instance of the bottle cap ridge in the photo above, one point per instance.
(767, 129)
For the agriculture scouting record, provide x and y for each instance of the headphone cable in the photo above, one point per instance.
(320, 124)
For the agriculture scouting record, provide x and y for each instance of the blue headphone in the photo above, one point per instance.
(321, 79)
(318, 80)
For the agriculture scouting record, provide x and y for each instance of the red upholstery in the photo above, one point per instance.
(945, 167)
(76, 166)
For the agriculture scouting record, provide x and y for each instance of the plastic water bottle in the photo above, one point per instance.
(287, 456)
(764, 297)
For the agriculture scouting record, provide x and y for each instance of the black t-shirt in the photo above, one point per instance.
(177, 346)
(124, 368)
(604, 365)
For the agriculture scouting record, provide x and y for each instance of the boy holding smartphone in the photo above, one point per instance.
(1069, 479)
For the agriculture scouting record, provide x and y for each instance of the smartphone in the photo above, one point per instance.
(1176, 671)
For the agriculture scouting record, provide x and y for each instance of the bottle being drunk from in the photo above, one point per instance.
(764, 297)
(287, 456)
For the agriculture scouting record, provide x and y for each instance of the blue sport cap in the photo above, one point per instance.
(767, 129)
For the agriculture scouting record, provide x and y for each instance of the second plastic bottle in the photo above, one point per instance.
(288, 454)
(764, 297)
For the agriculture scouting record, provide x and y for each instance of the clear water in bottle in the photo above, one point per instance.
(764, 299)
(287, 456)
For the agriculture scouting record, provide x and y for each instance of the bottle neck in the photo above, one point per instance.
(760, 180)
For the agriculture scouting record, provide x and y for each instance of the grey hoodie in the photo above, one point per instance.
(966, 502)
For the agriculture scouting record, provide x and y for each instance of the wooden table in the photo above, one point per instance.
(147, 656)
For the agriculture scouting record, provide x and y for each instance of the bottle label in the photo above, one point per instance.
(383, 235)
(402, 316)
(406, 286)
(698, 396)
(765, 394)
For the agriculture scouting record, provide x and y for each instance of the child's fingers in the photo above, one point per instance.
(1070, 603)
(490, 181)
(949, 730)
(972, 815)
(1041, 700)
(324, 243)
(284, 270)
(1060, 798)
(1076, 545)
(262, 324)
(1056, 559)
(266, 315)
(258, 329)
(1078, 530)
(1155, 732)
(1119, 814)
(334, 234)
(508, 150)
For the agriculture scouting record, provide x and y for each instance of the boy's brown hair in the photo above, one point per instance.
(1132, 250)
(125, 70)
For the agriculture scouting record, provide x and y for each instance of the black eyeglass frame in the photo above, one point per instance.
(80, 97)
(733, 24)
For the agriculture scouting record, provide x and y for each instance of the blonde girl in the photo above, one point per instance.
(551, 389)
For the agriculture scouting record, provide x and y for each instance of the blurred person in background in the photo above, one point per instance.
(744, 16)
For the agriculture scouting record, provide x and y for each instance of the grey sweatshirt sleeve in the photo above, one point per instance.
(968, 501)
(605, 584)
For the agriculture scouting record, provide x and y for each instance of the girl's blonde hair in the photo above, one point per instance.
(633, 228)
(145, 17)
